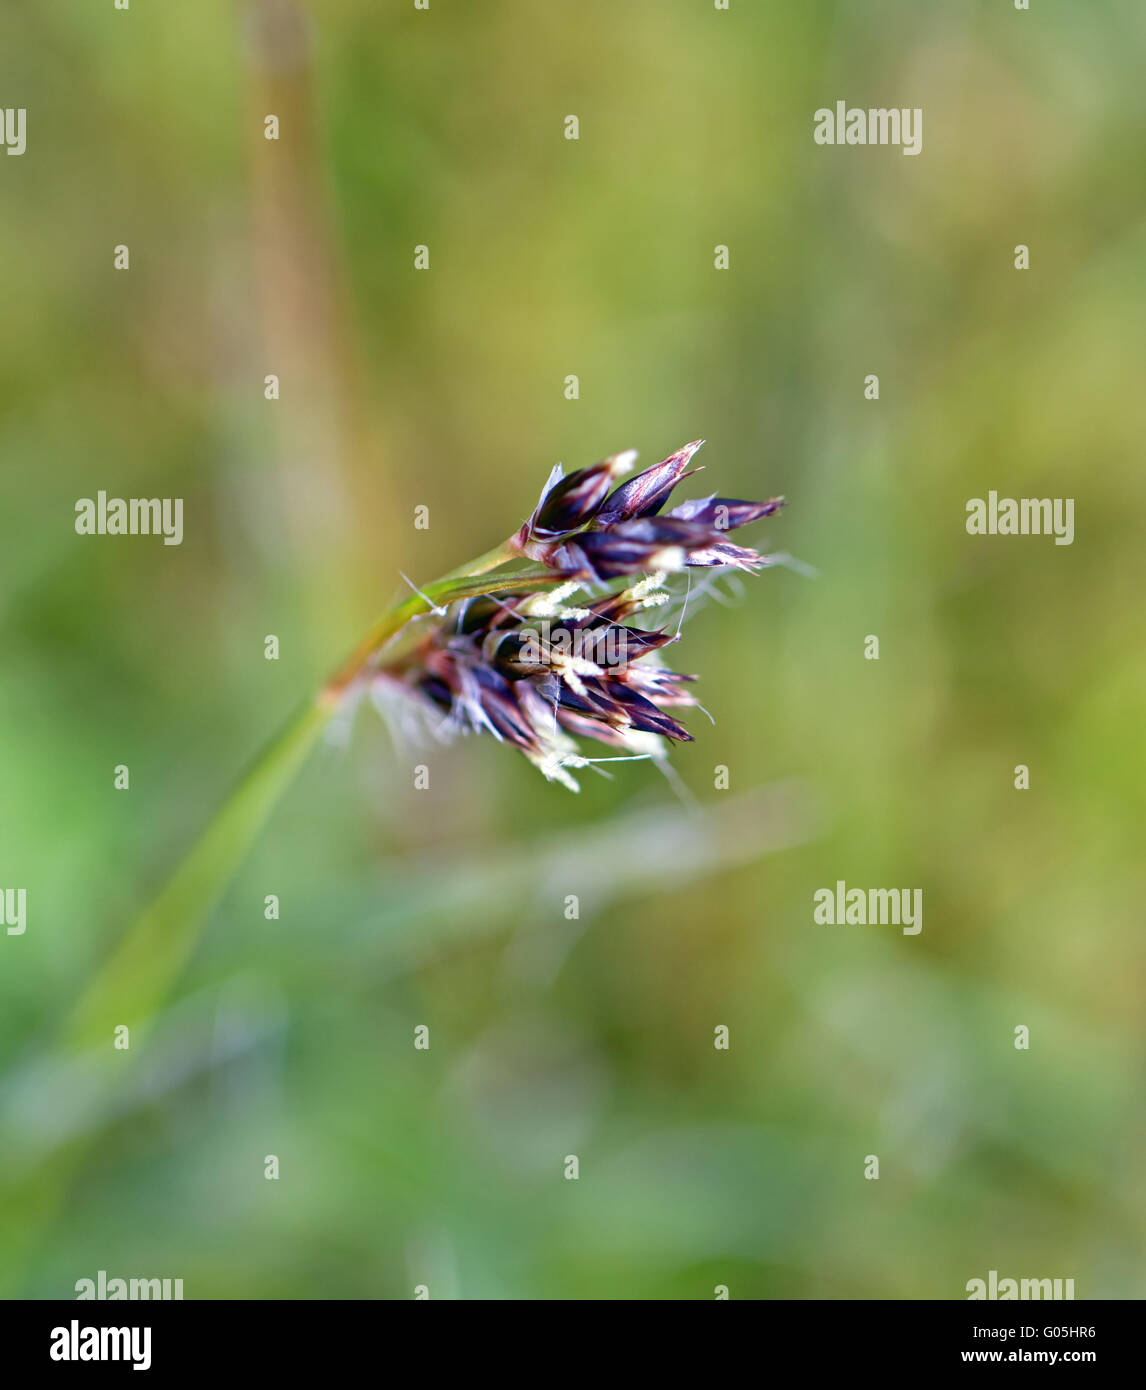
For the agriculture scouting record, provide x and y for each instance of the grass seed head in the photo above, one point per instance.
(537, 672)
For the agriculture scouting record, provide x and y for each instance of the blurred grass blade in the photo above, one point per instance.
(133, 984)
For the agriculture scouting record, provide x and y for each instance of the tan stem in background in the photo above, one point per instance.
(326, 440)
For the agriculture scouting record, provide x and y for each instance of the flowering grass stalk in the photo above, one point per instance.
(508, 653)
(540, 669)
(132, 985)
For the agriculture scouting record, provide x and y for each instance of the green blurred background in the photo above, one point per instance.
(445, 388)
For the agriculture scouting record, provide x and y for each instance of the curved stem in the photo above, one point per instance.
(132, 985)
(461, 583)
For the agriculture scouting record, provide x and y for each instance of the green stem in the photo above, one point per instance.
(131, 988)
(499, 555)
(133, 984)
(464, 582)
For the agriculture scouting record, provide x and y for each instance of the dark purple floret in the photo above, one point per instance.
(647, 493)
(534, 665)
(725, 513)
(572, 501)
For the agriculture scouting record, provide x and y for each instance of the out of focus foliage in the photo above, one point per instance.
(446, 388)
